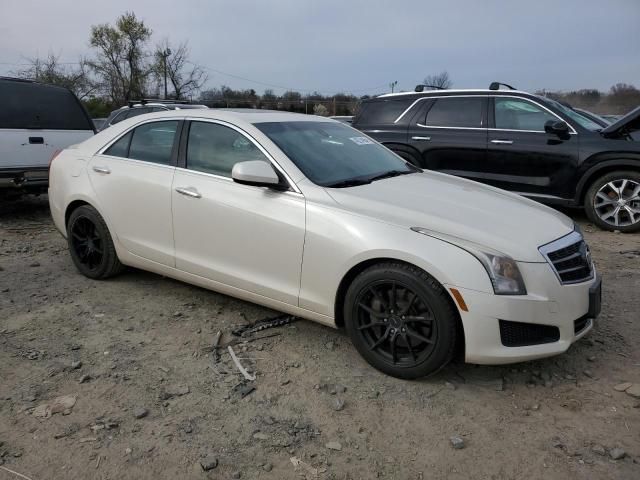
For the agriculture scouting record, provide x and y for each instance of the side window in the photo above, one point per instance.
(153, 142)
(456, 112)
(382, 112)
(516, 114)
(134, 112)
(215, 149)
(121, 147)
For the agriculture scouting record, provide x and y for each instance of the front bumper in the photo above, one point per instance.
(569, 309)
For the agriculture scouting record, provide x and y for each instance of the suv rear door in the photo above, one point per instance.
(522, 157)
(450, 133)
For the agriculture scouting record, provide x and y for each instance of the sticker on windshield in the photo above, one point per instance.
(361, 140)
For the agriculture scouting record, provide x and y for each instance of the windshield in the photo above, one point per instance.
(583, 121)
(333, 154)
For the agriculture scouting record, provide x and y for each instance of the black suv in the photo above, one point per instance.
(517, 141)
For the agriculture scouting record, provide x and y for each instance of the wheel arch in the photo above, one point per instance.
(604, 166)
(395, 147)
(356, 269)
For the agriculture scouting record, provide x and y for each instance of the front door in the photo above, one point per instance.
(132, 180)
(522, 157)
(243, 236)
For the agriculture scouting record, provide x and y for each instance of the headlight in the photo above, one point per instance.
(502, 269)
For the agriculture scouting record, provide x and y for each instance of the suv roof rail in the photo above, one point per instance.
(496, 86)
(144, 101)
(420, 87)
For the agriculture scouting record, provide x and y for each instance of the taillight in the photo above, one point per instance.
(53, 156)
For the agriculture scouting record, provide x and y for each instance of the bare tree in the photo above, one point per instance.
(440, 80)
(50, 70)
(172, 65)
(121, 64)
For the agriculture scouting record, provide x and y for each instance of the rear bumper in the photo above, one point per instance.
(569, 311)
(27, 178)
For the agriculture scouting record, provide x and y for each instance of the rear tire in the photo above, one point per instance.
(90, 244)
(407, 154)
(401, 320)
(612, 202)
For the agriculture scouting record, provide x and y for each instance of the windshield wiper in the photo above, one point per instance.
(391, 173)
(350, 182)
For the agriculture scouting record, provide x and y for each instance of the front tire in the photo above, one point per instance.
(90, 244)
(401, 320)
(613, 201)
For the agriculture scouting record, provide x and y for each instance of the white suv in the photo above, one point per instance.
(308, 216)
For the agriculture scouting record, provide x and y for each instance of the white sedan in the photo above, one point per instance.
(308, 216)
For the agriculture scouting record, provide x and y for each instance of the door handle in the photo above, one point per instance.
(502, 142)
(36, 140)
(188, 191)
(424, 139)
(104, 170)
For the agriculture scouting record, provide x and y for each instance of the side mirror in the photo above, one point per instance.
(256, 173)
(556, 126)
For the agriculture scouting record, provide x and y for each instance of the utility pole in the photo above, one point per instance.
(165, 53)
(393, 85)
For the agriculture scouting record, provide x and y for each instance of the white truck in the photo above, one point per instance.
(36, 120)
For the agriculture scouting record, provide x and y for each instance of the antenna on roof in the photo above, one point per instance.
(496, 86)
(420, 87)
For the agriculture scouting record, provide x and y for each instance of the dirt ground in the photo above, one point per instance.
(141, 341)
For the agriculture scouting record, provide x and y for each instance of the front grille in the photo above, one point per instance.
(519, 334)
(570, 258)
(580, 324)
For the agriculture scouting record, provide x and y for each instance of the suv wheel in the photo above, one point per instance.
(90, 244)
(613, 201)
(401, 320)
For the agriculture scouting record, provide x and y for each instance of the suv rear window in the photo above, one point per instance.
(26, 105)
(456, 112)
(382, 111)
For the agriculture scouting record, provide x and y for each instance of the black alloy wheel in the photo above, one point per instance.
(401, 320)
(90, 244)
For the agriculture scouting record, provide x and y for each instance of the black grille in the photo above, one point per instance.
(518, 334)
(580, 324)
(572, 263)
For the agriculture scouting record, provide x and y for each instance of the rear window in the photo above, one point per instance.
(26, 105)
(382, 111)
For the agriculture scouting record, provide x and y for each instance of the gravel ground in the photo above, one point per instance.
(143, 397)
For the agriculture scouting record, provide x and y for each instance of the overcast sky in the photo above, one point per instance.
(357, 46)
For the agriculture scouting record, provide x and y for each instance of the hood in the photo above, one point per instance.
(462, 208)
(628, 123)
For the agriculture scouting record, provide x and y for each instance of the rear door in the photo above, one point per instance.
(450, 133)
(132, 179)
(36, 120)
(522, 157)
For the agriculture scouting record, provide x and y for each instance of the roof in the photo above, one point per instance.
(248, 115)
(427, 93)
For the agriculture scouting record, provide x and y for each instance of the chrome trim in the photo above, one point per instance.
(564, 242)
(142, 162)
(407, 109)
(502, 142)
(541, 195)
(452, 128)
(425, 139)
(572, 132)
